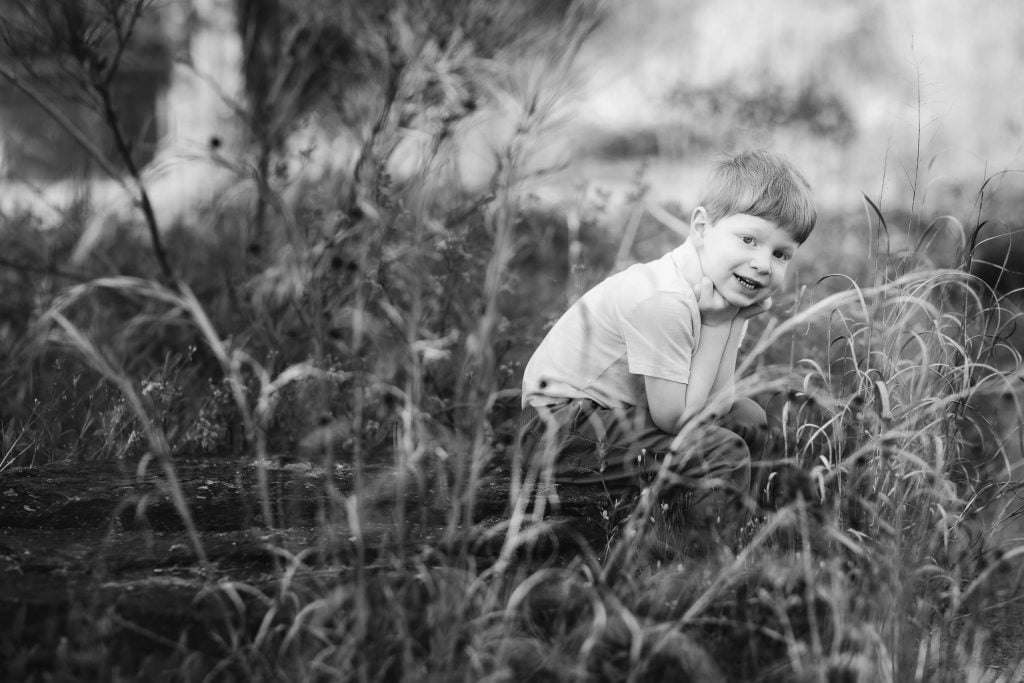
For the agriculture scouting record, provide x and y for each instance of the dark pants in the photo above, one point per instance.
(582, 443)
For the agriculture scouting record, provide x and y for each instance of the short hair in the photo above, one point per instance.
(763, 184)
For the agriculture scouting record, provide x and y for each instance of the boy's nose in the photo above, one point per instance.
(760, 262)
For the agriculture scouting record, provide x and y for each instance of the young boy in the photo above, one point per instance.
(635, 358)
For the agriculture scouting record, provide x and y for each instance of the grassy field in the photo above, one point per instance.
(397, 337)
(360, 318)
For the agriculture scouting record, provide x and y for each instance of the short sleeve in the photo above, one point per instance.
(659, 335)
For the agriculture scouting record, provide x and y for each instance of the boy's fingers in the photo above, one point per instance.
(714, 309)
(757, 309)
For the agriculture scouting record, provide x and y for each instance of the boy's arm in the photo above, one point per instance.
(724, 386)
(712, 366)
(671, 403)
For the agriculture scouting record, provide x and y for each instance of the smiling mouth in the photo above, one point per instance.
(747, 283)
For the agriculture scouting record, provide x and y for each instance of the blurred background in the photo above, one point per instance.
(863, 95)
(908, 101)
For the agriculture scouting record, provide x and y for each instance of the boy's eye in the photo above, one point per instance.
(783, 255)
(747, 239)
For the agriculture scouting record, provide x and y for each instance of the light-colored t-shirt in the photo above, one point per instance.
(641, 321)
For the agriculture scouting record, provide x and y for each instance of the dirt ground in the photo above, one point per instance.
(106, 540)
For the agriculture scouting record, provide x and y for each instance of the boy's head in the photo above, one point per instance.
(762, 184)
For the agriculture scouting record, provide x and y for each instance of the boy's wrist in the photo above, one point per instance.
(718, 316)
(723, 329)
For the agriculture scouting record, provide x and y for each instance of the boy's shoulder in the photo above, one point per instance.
(641, 280)
(653, 289)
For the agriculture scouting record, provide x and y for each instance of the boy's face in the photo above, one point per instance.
(745, 256)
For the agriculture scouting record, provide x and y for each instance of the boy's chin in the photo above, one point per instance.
(752, 299)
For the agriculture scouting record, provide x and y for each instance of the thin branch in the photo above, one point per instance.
(124, 149)
(64, 122)
(123, 31)
(98, 84)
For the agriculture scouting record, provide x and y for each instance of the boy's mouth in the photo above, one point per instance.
(747, 283)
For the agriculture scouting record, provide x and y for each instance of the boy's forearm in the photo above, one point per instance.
(705, 366)
(725, 381)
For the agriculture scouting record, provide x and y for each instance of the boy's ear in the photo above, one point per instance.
(698, 224)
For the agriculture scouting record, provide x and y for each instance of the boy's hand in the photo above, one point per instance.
(714, 309)
(752, 310)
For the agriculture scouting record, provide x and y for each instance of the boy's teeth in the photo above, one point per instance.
(749, 284)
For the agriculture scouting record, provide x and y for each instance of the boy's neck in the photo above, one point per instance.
(688, 264)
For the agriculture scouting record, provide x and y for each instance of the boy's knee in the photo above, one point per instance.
(723, 440)
(722, 452)
(746, 412)
(750, 422)
(732, 448)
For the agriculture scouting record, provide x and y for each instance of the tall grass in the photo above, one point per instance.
(377, 330)
(865, 562)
